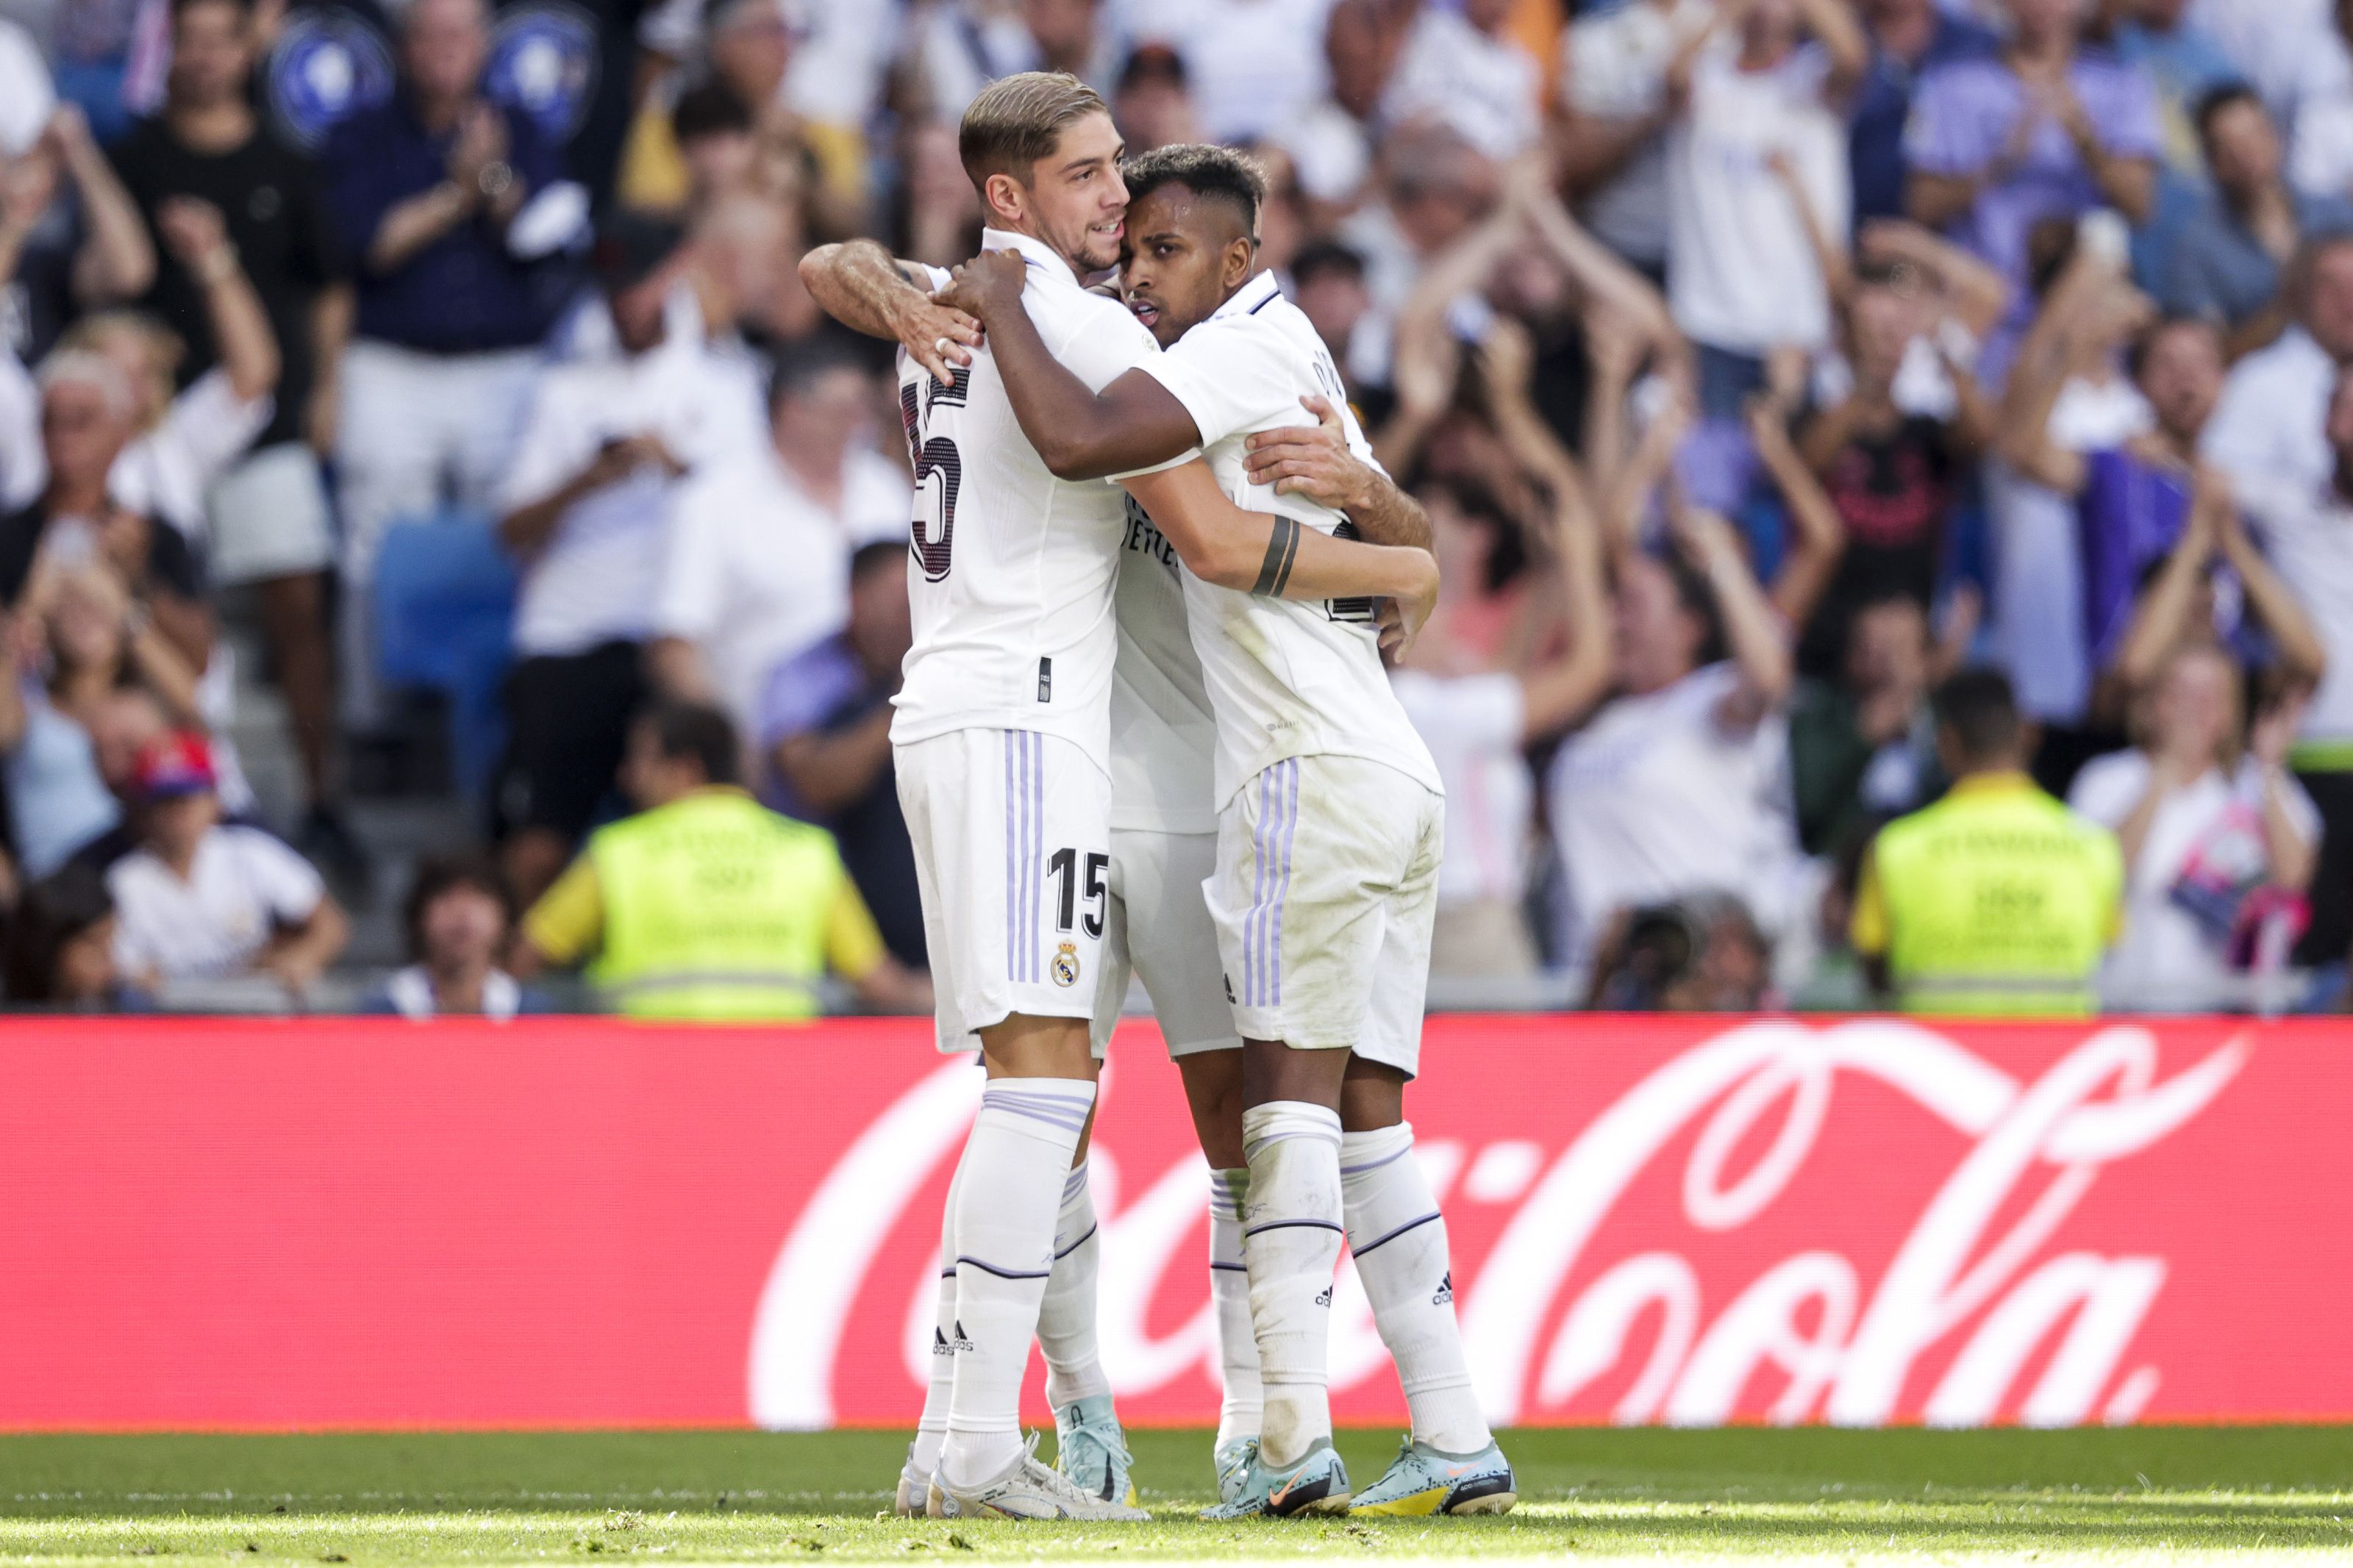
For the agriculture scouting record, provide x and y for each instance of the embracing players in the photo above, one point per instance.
(1324, 889)
(1004, 748)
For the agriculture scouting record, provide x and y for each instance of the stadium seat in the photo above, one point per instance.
(444, 600)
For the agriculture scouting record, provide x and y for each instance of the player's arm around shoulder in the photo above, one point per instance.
(863, 287)
(1078, 432)
(1274, 556)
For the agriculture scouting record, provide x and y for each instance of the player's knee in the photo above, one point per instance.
(1372, 1097)
(1213, 1089)
(1273, 1072)
(1026, 1046)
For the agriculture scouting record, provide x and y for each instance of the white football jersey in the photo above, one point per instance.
(1286, 679)
(1012, 569)
(1164, 736)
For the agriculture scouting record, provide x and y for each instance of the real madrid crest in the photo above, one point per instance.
(1066, 965)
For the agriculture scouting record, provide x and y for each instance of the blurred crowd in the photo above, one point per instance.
(1886, 345)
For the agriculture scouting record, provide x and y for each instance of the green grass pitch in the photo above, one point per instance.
(1835, 1497)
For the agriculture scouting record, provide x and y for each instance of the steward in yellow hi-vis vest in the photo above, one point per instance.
(1996, 901)
(707, 905)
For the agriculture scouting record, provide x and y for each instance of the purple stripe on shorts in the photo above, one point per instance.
(1012, 863)
(1253, 942)
(1037, 848)
(1027, 931)
(1283, 887)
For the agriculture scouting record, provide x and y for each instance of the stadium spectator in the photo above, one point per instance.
(1898, 423)
(2271, 424)
(1463, 68)
(88, 412)
(2228, 257)
(1150, 103)
(70, 236)
(755, 560)
(2219, 840)
(825, 730)
(1756, 188)
(706, 904)
(423, 194)
(1997, 900)
(88, 645)
(60, 948)
(1863, 749)
(589, 494)
(2319, 106)
(270, 524)
(2185, 68)
(1615, 110)
(1479, 709)
(718, 146)
(122, 726)
(2078, 357)
(1699, 954)
(2307, 531)
(1909, 40)
(1679, 785)
(2044, 130)
(1255, 66)
(204, 899)
(459, 919)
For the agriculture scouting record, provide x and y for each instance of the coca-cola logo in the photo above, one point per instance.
(1860, 1222)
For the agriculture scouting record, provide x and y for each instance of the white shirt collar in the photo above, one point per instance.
(1251, 297)
(1037, 252)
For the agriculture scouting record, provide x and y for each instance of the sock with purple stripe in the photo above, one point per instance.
(1007, 1193)
(932, 1430)
(1398, 1237)
(1238, 1414)
(1066, 1318)
(1290, 1243)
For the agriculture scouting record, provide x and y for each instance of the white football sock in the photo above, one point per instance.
(1014, 1167)
(932, 1430)
(1238, 1415)
(1066, 1318)
(1290, 1243)
(1398, 1238)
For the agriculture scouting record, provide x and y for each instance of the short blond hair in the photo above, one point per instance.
(1016, 119)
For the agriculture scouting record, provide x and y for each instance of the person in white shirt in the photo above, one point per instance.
(1329, 831)
(587, 496)
(1003, 743)
(1462, 69)
(2307, 529)
(2270, 425)
(459, 918)
(755, 560)
(1680, 783)
(1755, 167)
(1255, 66)
(204, 899)
(1615, 113)
(2219, 841)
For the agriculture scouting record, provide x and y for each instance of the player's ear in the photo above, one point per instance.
(1003, 196)
(1239, 255)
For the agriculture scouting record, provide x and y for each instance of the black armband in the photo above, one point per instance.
(1281, 549)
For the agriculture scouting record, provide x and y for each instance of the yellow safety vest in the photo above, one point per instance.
(715, 908)
(1998, 901)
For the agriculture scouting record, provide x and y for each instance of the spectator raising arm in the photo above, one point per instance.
(193, 232)
(1752, 630)
(117, 261)
(1818, 538)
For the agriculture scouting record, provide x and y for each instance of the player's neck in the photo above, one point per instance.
(1080, 270)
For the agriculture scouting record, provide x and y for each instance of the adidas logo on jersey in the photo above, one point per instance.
(1445, 1292)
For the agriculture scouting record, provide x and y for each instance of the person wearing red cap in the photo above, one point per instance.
(204, 899)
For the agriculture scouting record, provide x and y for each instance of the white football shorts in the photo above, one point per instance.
(1160, 930)
(1325, 894)
(1012, 839)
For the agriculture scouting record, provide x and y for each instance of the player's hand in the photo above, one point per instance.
(987, 286)
(1311, 460)
(938, 337)
(1402, 615)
